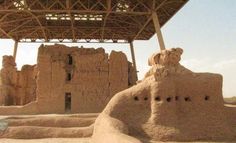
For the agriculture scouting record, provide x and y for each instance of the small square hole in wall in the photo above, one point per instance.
(187, 99)
(158, 98)
(168, 99)
(176, 98)
(136, 98)
(145, 98)
(207, 98)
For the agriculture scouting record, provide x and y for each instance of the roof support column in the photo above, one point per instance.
(15, 49)
(158, 30)
(133, 58)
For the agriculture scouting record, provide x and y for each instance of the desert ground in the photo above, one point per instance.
(33, 120)
(63, 140)
(50, 140)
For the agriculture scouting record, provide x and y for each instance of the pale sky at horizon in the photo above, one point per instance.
(205, 29)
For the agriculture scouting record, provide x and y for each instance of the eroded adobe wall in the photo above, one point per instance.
(89, 75)
(17, 87)
(118, 72)
(171, 103)
(8, 81)
(26, 89)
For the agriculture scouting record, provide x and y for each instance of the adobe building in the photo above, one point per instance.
(71, 79)
(75, 79)
(171, 103)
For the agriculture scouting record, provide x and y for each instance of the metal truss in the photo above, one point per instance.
(76, 20)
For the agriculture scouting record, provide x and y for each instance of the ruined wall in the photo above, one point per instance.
(90, 76)
(171, 103)
(26, 85)
(118, 72)
(8, 81)
(16, 87)
(65, 78)
(132, 74)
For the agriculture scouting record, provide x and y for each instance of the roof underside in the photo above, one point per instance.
(74, 20)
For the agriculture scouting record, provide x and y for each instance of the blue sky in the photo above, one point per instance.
(205, 29)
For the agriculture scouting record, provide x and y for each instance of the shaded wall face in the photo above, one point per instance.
(83, 80)
(26, 81)
(185, 95)
(190, 105)
(8, 80)
(180, 106)
(90, 75)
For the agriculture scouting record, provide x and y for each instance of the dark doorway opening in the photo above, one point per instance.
(69, 77)
(67, 102)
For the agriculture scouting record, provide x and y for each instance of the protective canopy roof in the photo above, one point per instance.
(83, 19)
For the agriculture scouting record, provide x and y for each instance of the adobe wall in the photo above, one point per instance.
(95, 77)
(8, 81)
(89, 75)
(26, 90)
(171, 103)
(17, 87)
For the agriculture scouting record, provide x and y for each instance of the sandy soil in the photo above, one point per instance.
(47, 126)
(64, 140)
(51, 140)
